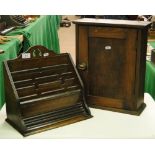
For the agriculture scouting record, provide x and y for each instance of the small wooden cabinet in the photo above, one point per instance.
(110, 57)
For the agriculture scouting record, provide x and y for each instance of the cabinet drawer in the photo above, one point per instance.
(107, 32)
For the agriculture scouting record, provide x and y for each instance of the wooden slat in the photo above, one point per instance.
(39, 72)
(105, 102)
(107, 32)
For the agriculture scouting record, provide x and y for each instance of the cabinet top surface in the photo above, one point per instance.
(112, 22)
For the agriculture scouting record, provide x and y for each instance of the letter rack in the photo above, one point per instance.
(43, 91)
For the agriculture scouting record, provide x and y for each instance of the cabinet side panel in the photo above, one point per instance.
(131, 58)
(140, 67)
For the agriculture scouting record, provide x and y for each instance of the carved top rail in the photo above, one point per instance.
(37, 51)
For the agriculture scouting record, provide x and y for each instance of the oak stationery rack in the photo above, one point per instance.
(43, 91)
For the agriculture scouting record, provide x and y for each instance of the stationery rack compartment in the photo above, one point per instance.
(43, 91)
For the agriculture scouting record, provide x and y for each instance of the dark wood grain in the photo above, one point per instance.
(43, 92)
(114, 53)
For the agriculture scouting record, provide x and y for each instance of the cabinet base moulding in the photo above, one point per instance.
(137, 112)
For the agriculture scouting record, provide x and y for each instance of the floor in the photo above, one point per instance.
(104, 124)
(67, 38)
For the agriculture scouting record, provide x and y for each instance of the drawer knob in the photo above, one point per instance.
(82, 66)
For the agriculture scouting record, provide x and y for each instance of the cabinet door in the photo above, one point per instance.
(110, 72)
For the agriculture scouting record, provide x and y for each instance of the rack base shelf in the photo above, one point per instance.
(48, 127)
